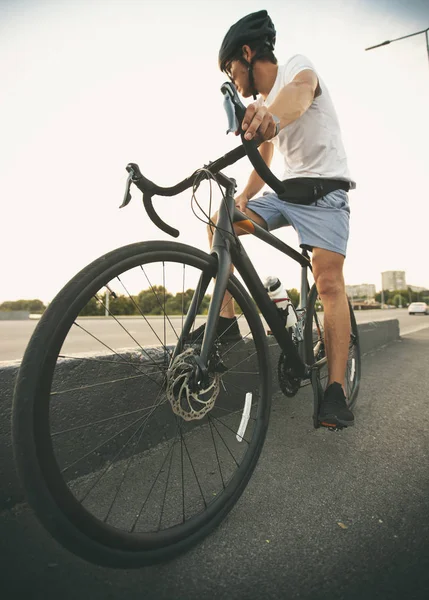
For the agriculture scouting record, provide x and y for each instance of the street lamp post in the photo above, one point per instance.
(425, 31)
(109, 292)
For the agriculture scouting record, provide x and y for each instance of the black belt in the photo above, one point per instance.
(306, 190)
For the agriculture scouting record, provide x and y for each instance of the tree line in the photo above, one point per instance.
(152, 301)
(32, 306)
(156, 300)
(402, 297)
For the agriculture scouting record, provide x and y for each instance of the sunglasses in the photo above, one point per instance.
(228, 66)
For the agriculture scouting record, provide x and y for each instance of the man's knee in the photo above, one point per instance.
(239, 230)
(328, 272)
(330, 283)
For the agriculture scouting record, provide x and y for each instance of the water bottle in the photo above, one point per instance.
(279, 296)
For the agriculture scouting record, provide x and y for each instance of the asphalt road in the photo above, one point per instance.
(14, 335)
(325, 516)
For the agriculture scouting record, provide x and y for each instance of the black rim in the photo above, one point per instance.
(198, 454)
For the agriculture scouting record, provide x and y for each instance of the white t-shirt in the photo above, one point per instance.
(312, 144)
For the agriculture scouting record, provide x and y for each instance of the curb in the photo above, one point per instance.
(372, 336)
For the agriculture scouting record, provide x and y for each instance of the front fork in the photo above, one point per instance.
(222, 239)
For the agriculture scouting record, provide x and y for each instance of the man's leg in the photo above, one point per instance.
(328, 275)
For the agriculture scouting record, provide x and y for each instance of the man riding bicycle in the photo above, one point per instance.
(294, 113)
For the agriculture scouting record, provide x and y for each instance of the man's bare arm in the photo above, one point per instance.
(290, 103)
(295, 98)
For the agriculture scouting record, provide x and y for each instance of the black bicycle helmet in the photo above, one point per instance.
(252, 28)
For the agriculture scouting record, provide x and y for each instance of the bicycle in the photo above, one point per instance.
(142, 477)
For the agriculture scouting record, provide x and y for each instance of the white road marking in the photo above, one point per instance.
(414, 329)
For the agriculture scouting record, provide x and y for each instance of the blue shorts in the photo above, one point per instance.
(323, 224)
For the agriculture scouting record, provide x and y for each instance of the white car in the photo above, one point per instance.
(418, 307)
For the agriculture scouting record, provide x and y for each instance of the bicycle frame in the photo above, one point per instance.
(229, 251)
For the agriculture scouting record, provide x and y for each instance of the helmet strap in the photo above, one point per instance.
(249, 66)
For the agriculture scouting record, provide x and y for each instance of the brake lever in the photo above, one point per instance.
(127, 195)
(233, 124)
(232, 103)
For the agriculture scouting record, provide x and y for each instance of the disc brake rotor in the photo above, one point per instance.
(190, 400)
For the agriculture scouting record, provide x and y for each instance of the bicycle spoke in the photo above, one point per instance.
(99, 360)
(183, 296)
(193, 468)
(229, 411)
(109, 465)
(126, 330)
(230, 429)
(159, 302)
(142, 428)
(236, 344)
(231, 370)
(150, 491)
(255, 394)
(111, 349)
(118, 454)
(217, 455)
(241, 361)
(107, 441)
(133, 412)
(225, 444)
(94, 385)
(183, 477)
(167, 481)
(140, 311)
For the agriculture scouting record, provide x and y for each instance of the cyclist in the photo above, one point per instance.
(293, 112)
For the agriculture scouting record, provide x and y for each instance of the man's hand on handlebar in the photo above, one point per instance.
(258, 123)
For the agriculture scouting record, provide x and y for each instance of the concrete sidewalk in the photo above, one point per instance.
(325, 516)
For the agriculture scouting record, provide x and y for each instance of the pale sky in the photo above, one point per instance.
(88, 86)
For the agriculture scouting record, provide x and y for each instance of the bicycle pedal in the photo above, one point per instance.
(333, 426)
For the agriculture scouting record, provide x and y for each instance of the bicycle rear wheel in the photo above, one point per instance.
(314, 340)
(124, 459)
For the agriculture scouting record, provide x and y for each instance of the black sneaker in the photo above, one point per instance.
(227, 331)
(333, 411)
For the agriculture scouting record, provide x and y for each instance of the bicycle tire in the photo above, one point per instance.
(312, 330)
(54, 504)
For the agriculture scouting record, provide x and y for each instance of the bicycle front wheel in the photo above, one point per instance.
(314, 339)
(124, 458)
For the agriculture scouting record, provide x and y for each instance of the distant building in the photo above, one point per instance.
(416, 288)
(364, 290)
(393, 280)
